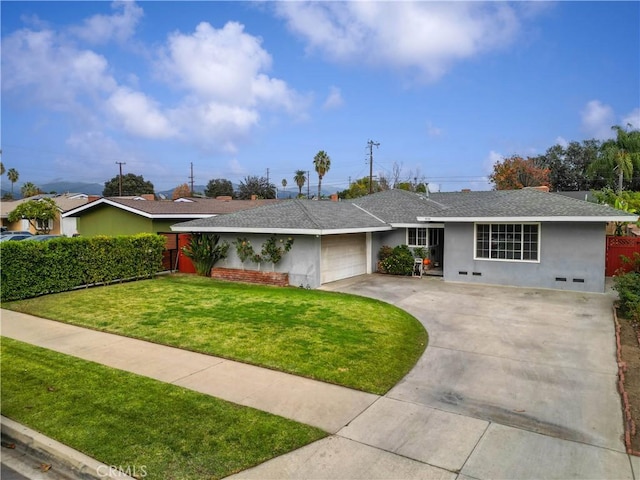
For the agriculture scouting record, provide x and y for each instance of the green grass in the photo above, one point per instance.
(135, 422)
(344, 339)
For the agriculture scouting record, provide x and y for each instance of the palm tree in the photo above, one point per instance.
(13, 176)
(300, 178)
(29, 190)
(322, 163)
(1, 168)
(284, 184)
(621, 155)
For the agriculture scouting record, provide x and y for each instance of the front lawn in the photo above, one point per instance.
(344, 339)
(144, 426)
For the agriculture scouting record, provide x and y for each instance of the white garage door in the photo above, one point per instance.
(343, 256)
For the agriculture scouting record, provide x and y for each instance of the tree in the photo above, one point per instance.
(181, 191)
(258, 186)
(284, 184)
(37, 212)
(131, 185)
(29, 190)
(619, 158)
(360, 188)
(2, 168)
(321, 163)
(300, 178)
(219, 187)
(13, 176)
(515, 172)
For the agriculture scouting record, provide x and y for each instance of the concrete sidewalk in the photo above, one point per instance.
(329, 407)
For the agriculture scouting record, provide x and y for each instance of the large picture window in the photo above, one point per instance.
(417, 237)
(508, 241)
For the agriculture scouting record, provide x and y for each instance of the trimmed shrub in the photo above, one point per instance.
(32, 268)
(628, 287)
(399, 262)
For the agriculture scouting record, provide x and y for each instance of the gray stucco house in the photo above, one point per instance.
(527, 238)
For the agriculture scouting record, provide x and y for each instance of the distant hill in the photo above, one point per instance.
(72, 187)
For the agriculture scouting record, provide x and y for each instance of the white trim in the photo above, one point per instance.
(153, 216)
(592, 219)
(289, 231)
(475, 242)
(417, 225)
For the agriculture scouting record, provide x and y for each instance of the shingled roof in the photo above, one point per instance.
(290, 217)
(194, 208)
(397, 208)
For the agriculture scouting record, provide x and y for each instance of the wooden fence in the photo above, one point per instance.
(616, 248)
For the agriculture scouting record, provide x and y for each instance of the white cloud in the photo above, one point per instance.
(334, 99)
(562, 142)
(225, 65)
(426, 37)
(50, 72)
(632, 118)
(597, 119)
(491, 160)
(139, 114)
(120, 26)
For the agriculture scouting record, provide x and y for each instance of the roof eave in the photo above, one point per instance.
(281, 231)
(590, 218)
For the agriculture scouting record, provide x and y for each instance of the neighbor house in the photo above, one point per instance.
(60, 225)
(527, 237)
(130, 215)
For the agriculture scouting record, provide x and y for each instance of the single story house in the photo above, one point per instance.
(58, 226)
(130, 215)
(527, 238)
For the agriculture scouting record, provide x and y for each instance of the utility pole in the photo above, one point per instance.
(308, 182)
(371, 143)
(191, 179)
(120, 178)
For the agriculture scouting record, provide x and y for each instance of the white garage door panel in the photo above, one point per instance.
(343, 256)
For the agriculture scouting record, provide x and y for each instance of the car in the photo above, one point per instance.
(15, 232)
(42, 238)
(16, 237)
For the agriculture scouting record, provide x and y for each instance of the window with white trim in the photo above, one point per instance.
(417, 237)
(44, 224)
(508, 241)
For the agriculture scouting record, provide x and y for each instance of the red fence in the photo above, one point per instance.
(616, 247)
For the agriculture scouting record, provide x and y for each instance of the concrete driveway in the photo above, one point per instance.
(515, 383)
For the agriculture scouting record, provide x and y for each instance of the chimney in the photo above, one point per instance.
(542, 188)
(334, 197)
(148, 196)
(253, 198)
(224, 198)
(93, 198)
(466, 190)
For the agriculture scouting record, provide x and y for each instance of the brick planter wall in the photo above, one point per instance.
(251, 276)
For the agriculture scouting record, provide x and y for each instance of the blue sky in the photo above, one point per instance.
(237, 88)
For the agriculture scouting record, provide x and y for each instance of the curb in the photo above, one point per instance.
(66, 459)
(629, 424)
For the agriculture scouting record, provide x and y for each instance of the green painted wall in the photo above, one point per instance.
(107, 220)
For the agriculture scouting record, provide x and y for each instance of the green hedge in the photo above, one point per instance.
(33, 268)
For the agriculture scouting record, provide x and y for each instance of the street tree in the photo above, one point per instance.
(321, 163)
(300, 178)
(181, 191)
(131, 185)
(515, 172)
(38, 212)
(219, 187)
(258, 186)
